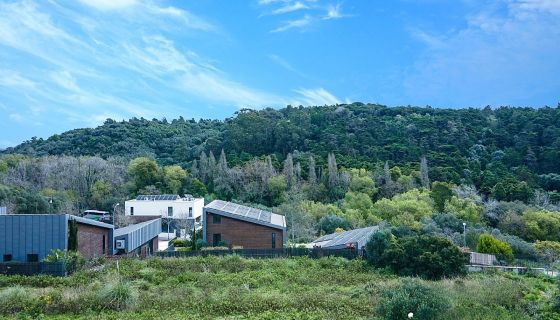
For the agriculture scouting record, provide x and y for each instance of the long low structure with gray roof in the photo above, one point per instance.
(356, 238)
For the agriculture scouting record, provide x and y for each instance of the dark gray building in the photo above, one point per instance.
(31, 237)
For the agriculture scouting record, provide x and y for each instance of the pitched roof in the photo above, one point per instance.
(241, 212)
(340, 239)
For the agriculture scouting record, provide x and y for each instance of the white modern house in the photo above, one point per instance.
(165, 206)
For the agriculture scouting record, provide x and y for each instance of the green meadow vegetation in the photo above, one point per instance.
(232, 287)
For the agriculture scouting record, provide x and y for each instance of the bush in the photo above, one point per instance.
(429, 257)
(201, 244)
(120, 295)
(72, 259)
(376, 246)
(178, 243)
(15, 299)
(411, 295)
(488, 244)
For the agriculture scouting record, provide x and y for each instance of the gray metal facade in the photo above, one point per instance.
(24, 234)
(138, 234)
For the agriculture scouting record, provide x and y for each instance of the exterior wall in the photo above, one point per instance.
(241, 233)
(140, 219)
(90, 241)
(23, 234)
(159, 208)
(136, 236)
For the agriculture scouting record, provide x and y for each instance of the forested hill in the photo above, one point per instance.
(459, 143)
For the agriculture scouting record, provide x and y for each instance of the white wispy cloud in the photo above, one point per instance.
(498, 58)
(109, 4)
(10, 78)
(313, 12)
(335, 12)
(316, 97)
(286, 65)
(291, 24)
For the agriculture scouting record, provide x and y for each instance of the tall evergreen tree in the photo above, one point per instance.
(333, 171)
(289, 171)
(312, 177)
(424, 178)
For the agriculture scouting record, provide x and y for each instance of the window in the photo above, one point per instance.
(190, 212)
(103, 245)
(170, 211)
(7, 257)
(273, 240)
(32, 257)
(131, 211)
(216, 219)
(216, 238)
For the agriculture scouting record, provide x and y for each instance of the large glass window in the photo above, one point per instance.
(131, 211)
(216, 238)
(190, 212)
(216, 219)
(170, 211)
(273, 240)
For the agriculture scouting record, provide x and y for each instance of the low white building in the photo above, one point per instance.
(165, 206)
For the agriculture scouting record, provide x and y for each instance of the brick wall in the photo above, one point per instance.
(90, 241)
(242, 233)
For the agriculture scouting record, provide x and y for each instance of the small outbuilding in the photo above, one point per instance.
(355, 239)
(231, 224)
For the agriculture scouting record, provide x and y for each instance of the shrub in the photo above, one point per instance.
(201, 244)
(120, 295)
(376, 246)
(72, 259)
(15, 300)
(178, 243)
(411, 295)
(488, 244)
(429, 257)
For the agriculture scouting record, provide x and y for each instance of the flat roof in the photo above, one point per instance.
(238, 211)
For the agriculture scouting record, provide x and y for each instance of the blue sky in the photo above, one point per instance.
(72, 64)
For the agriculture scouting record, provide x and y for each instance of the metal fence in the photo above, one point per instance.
(33, 268)
(266, 253)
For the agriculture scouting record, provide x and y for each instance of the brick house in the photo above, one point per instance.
(232, 224)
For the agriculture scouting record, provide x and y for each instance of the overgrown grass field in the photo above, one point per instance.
(237, 288)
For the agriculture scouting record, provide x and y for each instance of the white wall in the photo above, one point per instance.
(159, 208)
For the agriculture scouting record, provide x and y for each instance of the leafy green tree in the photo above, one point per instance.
(464, 209)
(144, 172)
(441, 193)
(361, 181)
(277, 186)
(101, 190)
(197, 188)
(542, 225)
(407, 208)
(549, 249)
(173, 177)
(358, 208)
(488, 244)
(412, 296)
(329, 224)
